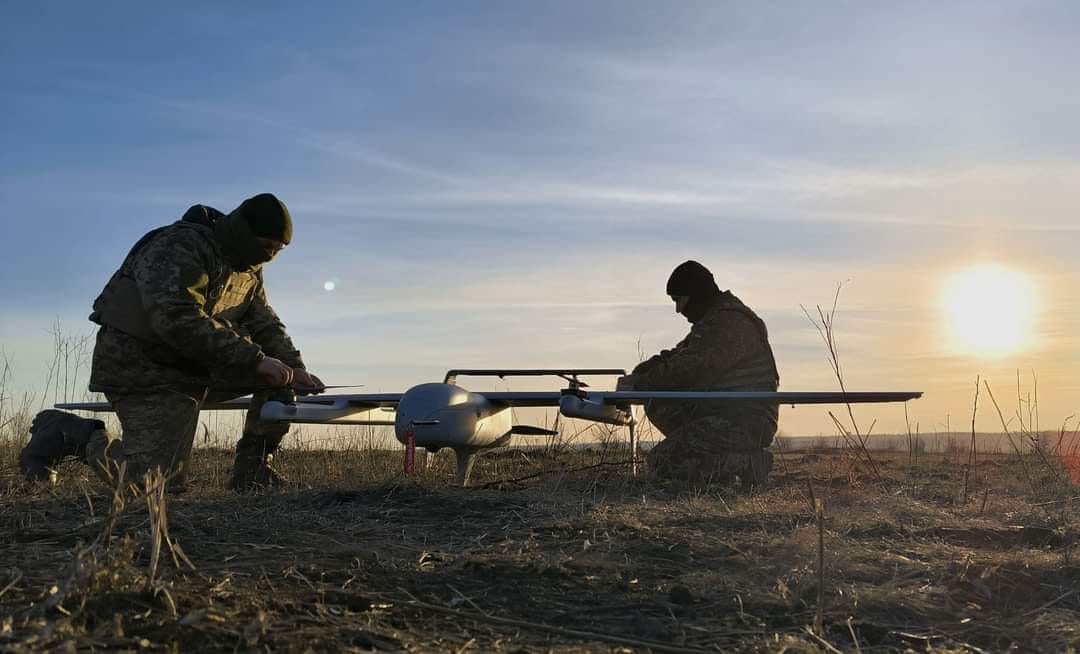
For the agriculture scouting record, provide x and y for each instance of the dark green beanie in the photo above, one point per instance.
(693, 280)
(261, 216)
(267, 216)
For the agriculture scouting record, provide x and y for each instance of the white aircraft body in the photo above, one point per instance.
(437, 415)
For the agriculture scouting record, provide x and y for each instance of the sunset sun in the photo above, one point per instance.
(990, 310)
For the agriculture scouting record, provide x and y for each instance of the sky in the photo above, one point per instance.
(509, 184)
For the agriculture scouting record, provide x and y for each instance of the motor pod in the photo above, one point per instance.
(572, 406)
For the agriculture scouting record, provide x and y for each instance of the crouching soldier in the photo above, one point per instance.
(185, 321)
(727, 349)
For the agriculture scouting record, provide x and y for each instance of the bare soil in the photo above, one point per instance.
(549, 552)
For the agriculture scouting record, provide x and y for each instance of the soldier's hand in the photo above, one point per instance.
(625, 383)
(306, 383)
(274, 373)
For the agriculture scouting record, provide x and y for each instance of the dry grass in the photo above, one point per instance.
(576, 556)
(554, 549)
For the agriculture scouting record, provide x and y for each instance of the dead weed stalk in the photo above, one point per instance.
(819, 519)
(104, 564)
(855, 439)
(1035, 444)
(970, 471)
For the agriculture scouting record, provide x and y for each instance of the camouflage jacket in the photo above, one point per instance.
(726, 350)
(177, 315)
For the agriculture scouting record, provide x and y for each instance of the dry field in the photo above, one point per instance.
(559, 551)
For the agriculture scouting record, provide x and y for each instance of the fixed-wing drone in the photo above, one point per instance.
(444, 415)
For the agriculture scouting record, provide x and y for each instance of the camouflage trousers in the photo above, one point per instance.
(158, 431)
(715, 449)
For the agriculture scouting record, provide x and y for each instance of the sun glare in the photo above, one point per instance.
(991, 310)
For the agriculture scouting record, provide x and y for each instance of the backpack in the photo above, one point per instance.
(55, 435)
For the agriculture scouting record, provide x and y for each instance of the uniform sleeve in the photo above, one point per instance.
(266, 329)
(706, 350)
(675, 367)
(172, 275)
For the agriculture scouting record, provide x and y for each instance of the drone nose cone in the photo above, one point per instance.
(420, 405)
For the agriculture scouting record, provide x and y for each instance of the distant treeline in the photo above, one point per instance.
(943, 443)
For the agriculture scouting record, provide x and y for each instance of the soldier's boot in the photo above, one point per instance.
(747, 469)
(661, 459)
(256, 447)
(55, 435)
(252, 471)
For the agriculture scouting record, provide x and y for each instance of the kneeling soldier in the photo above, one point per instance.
(727, 349)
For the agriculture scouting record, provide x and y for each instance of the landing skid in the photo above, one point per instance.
(466, 457)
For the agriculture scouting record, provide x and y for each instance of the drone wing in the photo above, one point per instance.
(616, 407)
(105, 407)
(553, 398)
(525, 398)
(352, 409)
(381, 408)
(737, 397)
(359, 409)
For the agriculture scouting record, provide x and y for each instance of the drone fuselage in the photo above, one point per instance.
(445, 415)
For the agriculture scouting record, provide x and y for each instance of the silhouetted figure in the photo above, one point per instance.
(186, 320)
(727, 349)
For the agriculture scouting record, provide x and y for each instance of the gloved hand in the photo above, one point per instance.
(305, 383)
(274, 373)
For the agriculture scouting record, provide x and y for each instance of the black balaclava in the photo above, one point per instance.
(261, 216)
(693, 280)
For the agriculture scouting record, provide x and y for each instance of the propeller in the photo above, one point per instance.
(575, 383)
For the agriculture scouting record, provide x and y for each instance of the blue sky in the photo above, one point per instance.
(509, 183)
